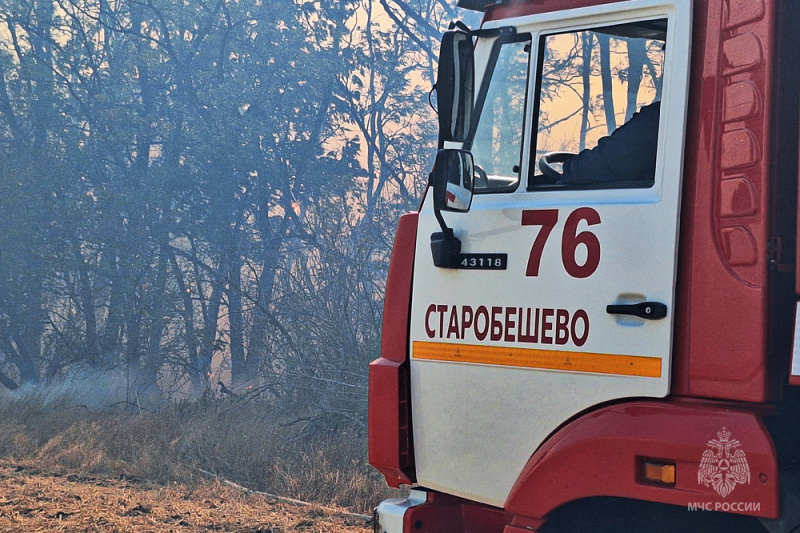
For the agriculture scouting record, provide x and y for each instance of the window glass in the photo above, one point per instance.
(497, 142)
(599, 94)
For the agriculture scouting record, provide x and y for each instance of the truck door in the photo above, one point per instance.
(505, 349)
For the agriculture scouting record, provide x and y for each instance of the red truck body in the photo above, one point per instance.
(637, 459)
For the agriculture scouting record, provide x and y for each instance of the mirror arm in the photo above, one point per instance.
(445, 230)
(481, 33)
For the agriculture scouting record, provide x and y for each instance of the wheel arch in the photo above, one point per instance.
(601, 454)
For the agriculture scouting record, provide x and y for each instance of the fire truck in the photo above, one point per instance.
(591, 325)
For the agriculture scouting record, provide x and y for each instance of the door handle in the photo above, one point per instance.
(647, 310)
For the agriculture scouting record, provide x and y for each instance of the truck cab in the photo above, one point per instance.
(591, 316)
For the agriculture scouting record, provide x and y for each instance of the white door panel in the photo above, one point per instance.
(479, 456)
(501, 358)
(476, 424)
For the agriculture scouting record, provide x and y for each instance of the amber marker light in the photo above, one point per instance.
(658, 472)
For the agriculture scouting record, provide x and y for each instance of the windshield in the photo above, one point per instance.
(497, 142)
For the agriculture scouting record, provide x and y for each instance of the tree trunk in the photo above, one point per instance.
(587, 40)
(147, 378)
(43, 109)
(208, 341)
(605, 76)
(87, 306)
(637, 54)
(188, 323)
(239, 367)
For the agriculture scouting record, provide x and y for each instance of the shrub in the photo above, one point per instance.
(250, 443)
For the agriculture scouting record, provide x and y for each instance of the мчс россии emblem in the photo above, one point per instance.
(723, 466)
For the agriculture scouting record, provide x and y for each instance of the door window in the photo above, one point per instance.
(598, 106)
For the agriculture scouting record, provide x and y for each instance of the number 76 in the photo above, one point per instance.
(570, 240)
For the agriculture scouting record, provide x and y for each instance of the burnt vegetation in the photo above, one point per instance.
(186, 443)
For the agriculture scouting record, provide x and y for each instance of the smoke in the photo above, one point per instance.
(92, 388)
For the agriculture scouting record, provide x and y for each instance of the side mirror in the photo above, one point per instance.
(455, 86)
(452, 191)
(453, 183)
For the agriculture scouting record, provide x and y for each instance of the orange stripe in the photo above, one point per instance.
(595, 363)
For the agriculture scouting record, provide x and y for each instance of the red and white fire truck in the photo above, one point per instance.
(613, 347)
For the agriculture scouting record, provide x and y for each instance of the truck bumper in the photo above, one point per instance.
(435, 512)
(390, 513)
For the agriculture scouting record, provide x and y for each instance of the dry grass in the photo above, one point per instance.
(247, 443)
(36, 501)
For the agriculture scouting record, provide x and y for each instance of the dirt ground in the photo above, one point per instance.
(32, 500)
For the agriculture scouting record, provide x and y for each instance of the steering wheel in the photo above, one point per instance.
(481, 179)
(547, 161)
